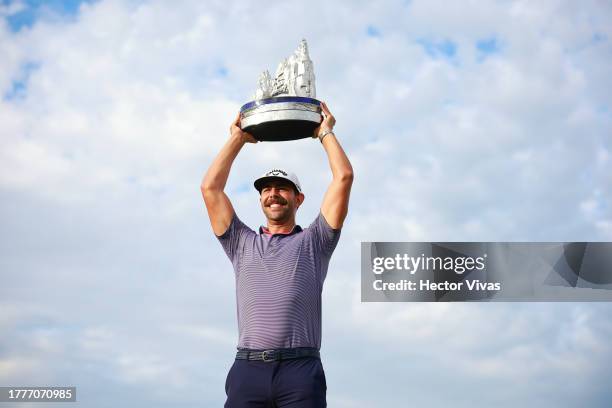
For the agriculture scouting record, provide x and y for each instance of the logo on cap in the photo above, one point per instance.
(276, 172)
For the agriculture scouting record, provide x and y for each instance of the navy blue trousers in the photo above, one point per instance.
(297, 383)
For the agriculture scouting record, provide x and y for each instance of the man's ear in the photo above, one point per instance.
(300, 199)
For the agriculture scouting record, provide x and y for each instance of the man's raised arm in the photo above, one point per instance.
(218, 205)
(336, 199)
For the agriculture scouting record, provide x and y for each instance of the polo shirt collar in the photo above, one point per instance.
(295, 230)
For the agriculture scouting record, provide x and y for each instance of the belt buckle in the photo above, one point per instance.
(265, 354)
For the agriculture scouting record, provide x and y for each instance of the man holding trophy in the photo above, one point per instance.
(279, 271)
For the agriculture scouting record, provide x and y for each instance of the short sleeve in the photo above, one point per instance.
(325, 237)
(233, 239)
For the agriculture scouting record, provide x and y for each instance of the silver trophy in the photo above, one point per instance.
(285, 107)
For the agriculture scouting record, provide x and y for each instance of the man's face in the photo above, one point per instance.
(279, 200)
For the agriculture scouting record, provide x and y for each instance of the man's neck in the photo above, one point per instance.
(280, 228)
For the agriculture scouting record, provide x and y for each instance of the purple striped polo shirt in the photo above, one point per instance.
(279, 279)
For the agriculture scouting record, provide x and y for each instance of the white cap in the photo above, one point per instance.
(278, 174)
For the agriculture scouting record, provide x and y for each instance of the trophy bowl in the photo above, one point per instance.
(284, 107)
(281, 118)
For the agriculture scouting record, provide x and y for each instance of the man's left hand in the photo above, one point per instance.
(327, 123)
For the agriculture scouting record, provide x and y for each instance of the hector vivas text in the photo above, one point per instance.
(413, 264)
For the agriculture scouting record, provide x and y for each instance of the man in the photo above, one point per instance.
(279, 276)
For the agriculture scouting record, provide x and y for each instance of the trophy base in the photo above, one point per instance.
(281, 118)
(282, 130)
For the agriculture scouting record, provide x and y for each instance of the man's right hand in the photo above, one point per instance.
(236, 131)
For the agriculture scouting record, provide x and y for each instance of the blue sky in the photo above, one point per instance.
(463, 123)
(30, 11)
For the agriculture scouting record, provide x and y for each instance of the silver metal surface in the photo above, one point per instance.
(294, 77)
(265, 86)
(278, 115)
(309, 107)
(284, 107)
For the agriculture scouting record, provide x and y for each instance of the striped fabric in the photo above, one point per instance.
(279, 279)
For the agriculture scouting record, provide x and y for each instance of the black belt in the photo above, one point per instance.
(276, 355)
